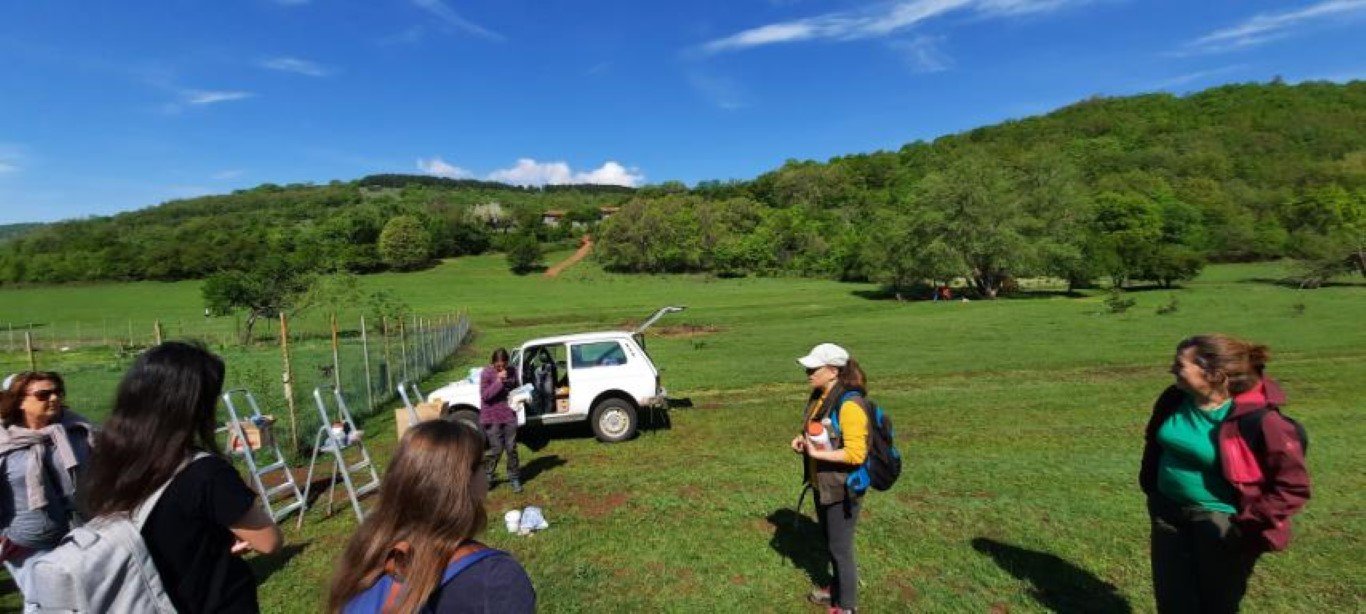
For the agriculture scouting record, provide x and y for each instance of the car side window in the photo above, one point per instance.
(600, 354)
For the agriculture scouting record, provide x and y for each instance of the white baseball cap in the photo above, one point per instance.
(825, 354)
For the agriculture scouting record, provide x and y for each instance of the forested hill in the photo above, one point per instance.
(1140, 187)
(9, 231)
(336, 226)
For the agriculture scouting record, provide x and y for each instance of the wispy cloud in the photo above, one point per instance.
(9, 158)
(528, 171)
(226, 175)
(722, 92)
(1194, 77)
(448, 16)
(297, 66)
(1265, 27)
(409, 36)
(205, 97)
(599, 68)
(923, 54)
(441, 168)
(883, 20)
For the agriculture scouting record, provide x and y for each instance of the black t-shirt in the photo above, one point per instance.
(495, 585)
(188, 537)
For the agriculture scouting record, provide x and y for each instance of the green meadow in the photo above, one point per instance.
(1021, 420)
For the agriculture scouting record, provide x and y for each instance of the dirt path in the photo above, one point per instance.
(585, 246)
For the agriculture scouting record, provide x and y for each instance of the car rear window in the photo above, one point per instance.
(600, 354)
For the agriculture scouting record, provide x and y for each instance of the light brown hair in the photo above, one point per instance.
(851, 376)
(426, 509)
(12, 398)
(1227, 360)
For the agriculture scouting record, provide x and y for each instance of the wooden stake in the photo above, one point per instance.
(156, 331)
(287, 377)
(336, 355)
(365, 353)
(28, 347)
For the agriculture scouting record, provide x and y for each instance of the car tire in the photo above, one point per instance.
(614, 420)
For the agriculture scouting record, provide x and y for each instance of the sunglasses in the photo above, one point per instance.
(44, 395)
(809, 370)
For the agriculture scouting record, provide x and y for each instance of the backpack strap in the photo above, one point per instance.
(144, 509)
(1250, 428)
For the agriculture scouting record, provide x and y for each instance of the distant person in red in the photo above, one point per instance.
(945, 293)
(1223, 470)
(497, 417)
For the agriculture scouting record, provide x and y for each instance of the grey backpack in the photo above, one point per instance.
(103, 566)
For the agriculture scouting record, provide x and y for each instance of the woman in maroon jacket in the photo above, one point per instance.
(497, 417)
(1218, 500)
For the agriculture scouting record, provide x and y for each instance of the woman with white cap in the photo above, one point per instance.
(836, 382)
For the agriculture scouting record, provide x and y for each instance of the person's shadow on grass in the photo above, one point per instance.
(1055, 583)
(265, 566)
(799, 539)
(539, 465)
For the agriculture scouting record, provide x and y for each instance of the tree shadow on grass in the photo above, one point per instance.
(265, 566)
(1295, 284)
(1055, 583)
(539, 465)
(799, 539)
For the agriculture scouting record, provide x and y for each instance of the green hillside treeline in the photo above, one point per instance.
(1145, 187)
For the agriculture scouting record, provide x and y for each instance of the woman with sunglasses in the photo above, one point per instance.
(43, 445)
(835, 380)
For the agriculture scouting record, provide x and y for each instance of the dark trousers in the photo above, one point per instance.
(838, 520)
(502, 438)
(1200, 561)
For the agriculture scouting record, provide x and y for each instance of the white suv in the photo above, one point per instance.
(604, 377)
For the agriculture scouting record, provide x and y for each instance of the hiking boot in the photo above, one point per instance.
(516, 485)
(819, 595)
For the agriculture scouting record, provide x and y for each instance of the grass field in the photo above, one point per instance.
(1021, 419)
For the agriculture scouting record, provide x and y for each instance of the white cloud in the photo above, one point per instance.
(1265, 27)
(880, 21)
(203, 97)
(923, 54)
(448, 16)
(440, 168)
(297, 66)
(528, 171)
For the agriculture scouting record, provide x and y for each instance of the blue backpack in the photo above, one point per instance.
(373, 599)
(882, 466)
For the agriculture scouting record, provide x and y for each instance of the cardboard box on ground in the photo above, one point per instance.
(427, 410)
(257, 436)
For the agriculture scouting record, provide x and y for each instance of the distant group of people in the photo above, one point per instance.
(1223, 470)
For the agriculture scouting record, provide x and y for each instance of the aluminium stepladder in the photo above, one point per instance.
(336, 441)
(411, 397)
(282, 499)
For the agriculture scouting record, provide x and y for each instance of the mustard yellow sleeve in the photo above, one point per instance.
(854, 428)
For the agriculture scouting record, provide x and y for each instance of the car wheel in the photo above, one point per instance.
(614, 420)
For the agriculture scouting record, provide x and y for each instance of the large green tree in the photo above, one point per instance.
(405, 244)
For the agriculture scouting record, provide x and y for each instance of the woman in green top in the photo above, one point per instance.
(1200, 562)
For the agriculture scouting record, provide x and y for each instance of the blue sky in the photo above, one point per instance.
(110, 106)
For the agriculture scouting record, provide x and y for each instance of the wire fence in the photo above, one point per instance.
(281, 365)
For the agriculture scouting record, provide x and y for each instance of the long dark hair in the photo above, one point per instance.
(163, 413)
(427, 502)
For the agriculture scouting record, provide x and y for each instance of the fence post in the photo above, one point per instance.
(336, 355)
(403, 346)
(156, 331)
(11, 335)
(384, 347)
(365, 354)
(28, 347)
(130, 332)
(287, 377)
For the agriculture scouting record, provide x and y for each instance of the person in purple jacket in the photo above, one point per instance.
(497, 417)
